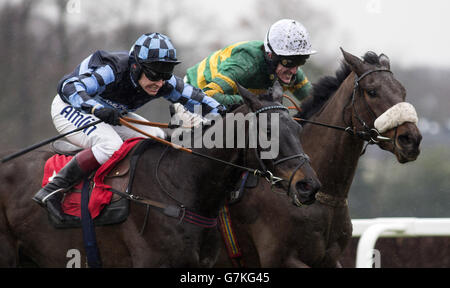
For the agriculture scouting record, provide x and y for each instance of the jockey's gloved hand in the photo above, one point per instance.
(181, 116)
(108, 115)
(222, 110)
(123, 112)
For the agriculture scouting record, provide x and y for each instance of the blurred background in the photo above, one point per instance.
(42, 40)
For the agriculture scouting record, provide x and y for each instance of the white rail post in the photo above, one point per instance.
(371, 229)
(364, 252)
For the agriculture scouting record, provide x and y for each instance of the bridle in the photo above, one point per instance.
(179, 210)
(371, 135)
(264, 172)
(303, 156)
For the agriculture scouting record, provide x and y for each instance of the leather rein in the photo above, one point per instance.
(371, 135)
(180, 211)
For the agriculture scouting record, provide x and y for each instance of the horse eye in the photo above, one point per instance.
(372, 93)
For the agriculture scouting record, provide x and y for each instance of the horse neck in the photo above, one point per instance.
(334, 153)
(218, 177)
(194, 181)
(214, 179)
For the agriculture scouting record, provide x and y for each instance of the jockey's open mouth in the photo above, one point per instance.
(152, 89)
(285, 74)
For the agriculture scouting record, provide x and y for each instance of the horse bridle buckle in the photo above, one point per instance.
(375, 136)
(270, 178)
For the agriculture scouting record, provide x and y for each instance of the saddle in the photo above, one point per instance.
(120, 178)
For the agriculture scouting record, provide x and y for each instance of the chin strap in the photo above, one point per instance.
(271, 66)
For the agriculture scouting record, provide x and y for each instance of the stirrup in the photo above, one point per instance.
(51, 194)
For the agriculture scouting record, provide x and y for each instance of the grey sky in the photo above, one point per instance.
(410, 32)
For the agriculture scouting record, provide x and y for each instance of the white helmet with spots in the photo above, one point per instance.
(288, 37)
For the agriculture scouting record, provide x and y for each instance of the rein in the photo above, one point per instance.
(165, 142)
(369, 131)
(305, 158)
(272, 179)
(180, 211)
(265, 173)
(372, 135)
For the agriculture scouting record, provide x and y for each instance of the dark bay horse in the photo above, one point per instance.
(198, 183)
(315, 235)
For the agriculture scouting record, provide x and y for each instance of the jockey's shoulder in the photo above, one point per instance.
(117, 60)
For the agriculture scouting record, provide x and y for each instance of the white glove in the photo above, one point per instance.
(189, 119)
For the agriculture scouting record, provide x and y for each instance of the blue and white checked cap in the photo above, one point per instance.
(154, 47)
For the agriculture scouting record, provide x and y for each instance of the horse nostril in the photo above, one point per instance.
(303, 186)
(306, 189)
(405, 139)
(307, 186)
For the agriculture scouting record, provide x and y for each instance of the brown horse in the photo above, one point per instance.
(281, 235)
(199, 184)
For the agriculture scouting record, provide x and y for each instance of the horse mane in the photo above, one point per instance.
(327, 85)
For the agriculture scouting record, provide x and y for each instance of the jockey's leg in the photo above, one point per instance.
(72, 173)
(99, 142)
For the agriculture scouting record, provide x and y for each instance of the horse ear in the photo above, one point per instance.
(384, 61)
(357, 65)
(249, 98)
(277, 92)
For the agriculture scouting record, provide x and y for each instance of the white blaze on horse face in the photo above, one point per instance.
(395, 116)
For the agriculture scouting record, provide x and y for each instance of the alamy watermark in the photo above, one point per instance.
(74, 256)
(261, 131)
(374, 258)
(73, 6)
(374, 6)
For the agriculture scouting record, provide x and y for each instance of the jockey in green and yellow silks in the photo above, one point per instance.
(256, 65)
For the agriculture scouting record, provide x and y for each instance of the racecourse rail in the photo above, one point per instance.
(371, 229)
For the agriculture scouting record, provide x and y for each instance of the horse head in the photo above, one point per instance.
(379, 107)
(289, 161)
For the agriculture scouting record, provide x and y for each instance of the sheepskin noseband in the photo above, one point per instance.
(396, 116)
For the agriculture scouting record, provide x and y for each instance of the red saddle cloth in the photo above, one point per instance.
(100, 196)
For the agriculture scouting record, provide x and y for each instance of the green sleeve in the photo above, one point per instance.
(223, 87)
(302, 86)
(228, 100)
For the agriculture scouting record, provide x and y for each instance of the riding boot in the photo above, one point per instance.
(71, 174)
